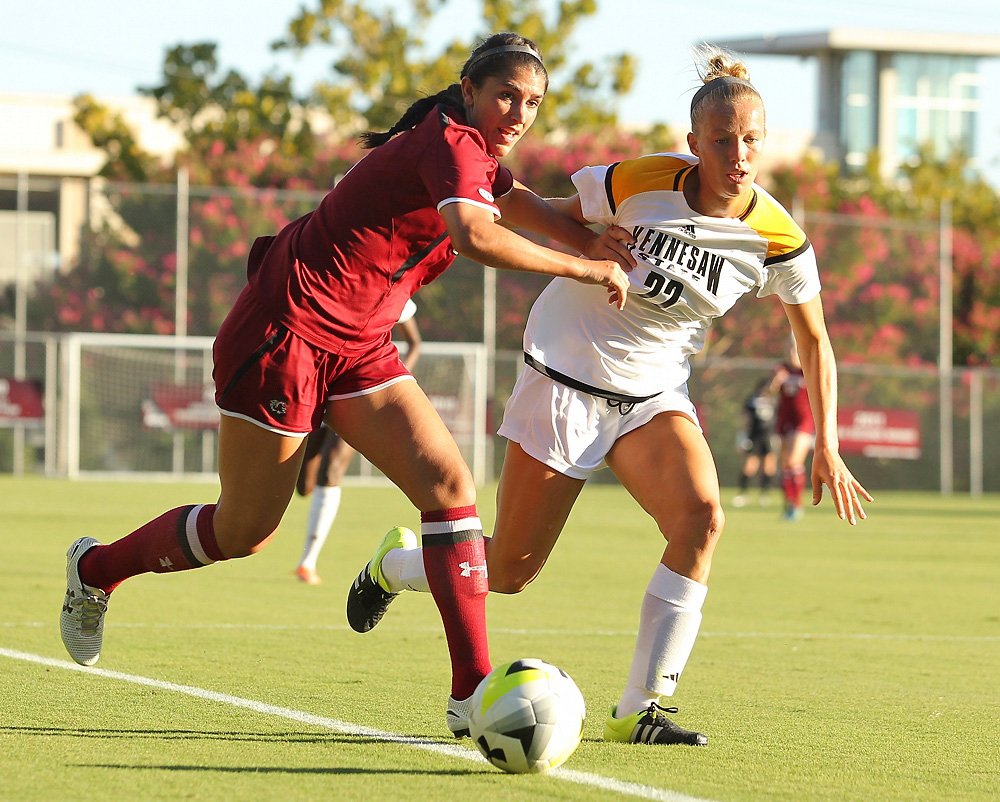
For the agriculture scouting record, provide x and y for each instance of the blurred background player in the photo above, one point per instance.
(326, 461)
(795, 426)
(759, 458)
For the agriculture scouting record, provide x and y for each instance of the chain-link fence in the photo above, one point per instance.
(109, 405)
(720, 386)
(160, 259)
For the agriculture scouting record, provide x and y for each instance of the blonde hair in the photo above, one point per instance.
(729, 74)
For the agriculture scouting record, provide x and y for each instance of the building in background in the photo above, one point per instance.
(883, 92)
(889, 92)
(43, 149)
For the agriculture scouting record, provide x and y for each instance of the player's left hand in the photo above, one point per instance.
(614, 243)
(829, 469)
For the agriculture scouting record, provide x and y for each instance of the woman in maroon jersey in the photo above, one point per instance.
(797, 430)
(308, 341)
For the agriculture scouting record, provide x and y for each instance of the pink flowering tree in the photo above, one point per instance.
(127, 277)
(878, 248)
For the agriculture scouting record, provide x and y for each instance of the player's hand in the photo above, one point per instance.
(614, 243)
(829, 469)
(609, 275)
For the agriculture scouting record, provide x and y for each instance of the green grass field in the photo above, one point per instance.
(835, 663)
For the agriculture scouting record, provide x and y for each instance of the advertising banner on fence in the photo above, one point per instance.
(180, 406)
(21, 403)
(879, 432)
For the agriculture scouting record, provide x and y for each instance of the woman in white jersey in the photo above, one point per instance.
(604, 386)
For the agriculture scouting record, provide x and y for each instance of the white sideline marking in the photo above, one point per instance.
(347, 728)
(630, 633)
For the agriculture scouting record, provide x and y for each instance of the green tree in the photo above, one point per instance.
(879, 279)
(383, 62)
(111, 133)
(207, 104)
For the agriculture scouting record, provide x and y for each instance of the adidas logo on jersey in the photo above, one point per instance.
(689, 231)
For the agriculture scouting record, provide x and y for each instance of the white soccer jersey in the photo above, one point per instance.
(691, 269)
(409, 310)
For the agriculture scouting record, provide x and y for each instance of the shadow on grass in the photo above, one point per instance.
(285, 769)
(187, 735)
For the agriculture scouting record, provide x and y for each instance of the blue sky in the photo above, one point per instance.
(110, 47)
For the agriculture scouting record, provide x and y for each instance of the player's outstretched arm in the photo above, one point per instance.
(562, 219)
(475, 234)
(820, 370)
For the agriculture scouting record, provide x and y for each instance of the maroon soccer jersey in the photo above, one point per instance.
(340, 276)
(794, 413)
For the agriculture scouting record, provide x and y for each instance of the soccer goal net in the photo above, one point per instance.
(143, 406)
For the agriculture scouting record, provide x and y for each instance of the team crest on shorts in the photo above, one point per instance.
(278, 407)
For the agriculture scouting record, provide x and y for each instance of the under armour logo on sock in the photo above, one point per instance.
(165, 562)
(468, 569)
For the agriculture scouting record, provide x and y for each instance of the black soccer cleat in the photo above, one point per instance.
(650, 726)
(367, 600)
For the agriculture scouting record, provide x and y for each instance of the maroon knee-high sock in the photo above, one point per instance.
(178, 540)
(455, 564)
(788, 486)
(799, 481)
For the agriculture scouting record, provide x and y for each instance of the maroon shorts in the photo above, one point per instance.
(270, 376)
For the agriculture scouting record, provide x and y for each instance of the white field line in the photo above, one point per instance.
(548, 632)
(347, 728)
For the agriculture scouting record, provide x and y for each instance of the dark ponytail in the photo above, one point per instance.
(452, 96)
(512, 52)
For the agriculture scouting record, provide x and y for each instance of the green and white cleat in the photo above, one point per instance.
(82, 620)
(650, 726)
(369, 596)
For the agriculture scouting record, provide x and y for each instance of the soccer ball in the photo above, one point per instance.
(527, 716)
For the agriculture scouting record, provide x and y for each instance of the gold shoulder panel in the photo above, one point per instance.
(769, 219)
(646, 174)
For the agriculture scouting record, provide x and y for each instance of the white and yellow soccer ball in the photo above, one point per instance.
(527, 716)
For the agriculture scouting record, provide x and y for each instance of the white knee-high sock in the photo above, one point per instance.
(322, 513)
(403, 569)
(668, 627)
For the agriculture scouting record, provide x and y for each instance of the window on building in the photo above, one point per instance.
(936, 103)
(858, 106)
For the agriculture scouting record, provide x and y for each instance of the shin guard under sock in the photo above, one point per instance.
(455, 562)
(179, 540)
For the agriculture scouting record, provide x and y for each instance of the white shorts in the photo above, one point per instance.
(572, 431)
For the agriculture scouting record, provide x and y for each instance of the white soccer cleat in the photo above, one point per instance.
(82, 620)
(457, 716)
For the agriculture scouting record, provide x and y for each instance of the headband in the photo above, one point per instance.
(493, 51)
(716, 83)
